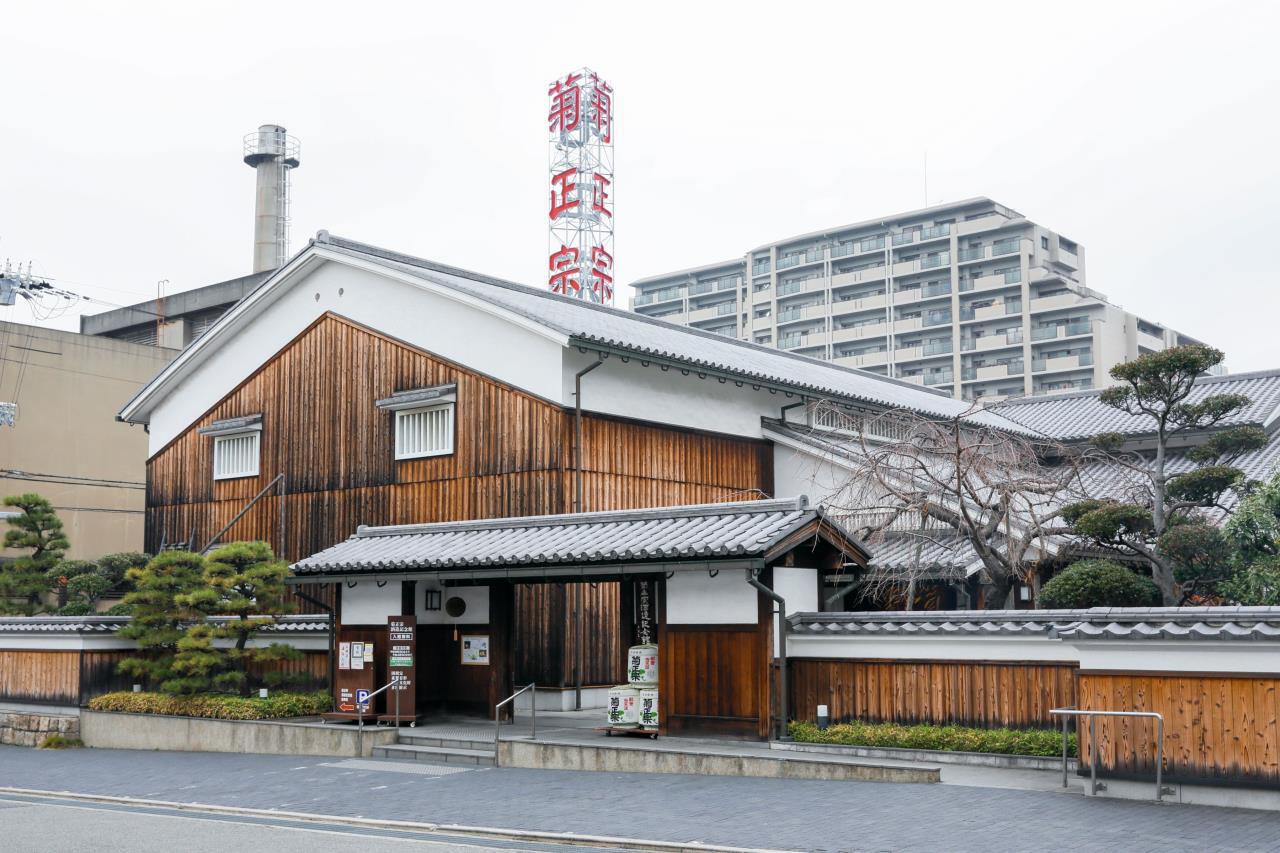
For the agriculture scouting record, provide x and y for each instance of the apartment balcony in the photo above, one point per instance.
(866, 303)
(1063, 362)
(910, 324)
(795, 341)
(904, 239)
(1011, 246)
(916, 294)
(944, 377)
(936, 318)
(901, 268)
(1151, 342)
(1066, 258)
(977, 226)
(724, 309)
(991, 371)
(815, 312)
(987, 343)
(930, 262)
(908, 353)
(658, 297)
(917, 379)
(867, 359)
(995, 311)
(935, 232)
(1059, 302)
(858, 276)
(994, 281)
(1065, 330)
(858, 333)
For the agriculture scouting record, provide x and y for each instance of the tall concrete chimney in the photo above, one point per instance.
(274, 154)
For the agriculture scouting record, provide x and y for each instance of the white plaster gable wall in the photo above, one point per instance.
(799, 589)
(796, 472)
(469, 335)
(475, 597)
(696, 598)
(366, 603)
(629, 389)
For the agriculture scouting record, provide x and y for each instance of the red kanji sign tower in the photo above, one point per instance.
(580, 126)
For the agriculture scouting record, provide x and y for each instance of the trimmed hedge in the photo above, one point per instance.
(943, 738)
(214, 706)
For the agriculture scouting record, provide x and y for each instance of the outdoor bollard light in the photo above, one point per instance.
(262, 693)
(137, 688)
(824, 718)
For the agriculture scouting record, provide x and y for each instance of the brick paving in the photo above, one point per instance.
(784, 814)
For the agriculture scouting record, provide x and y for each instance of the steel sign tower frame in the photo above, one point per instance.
(580, 128)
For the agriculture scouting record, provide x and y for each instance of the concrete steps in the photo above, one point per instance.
(411, 747)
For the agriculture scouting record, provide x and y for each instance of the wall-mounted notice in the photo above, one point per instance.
(344, 656)
(357, 655)
(475, 649)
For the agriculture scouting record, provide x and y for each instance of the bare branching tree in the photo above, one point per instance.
(913, 476)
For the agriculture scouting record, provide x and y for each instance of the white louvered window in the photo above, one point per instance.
(235, 455)
(424, 432)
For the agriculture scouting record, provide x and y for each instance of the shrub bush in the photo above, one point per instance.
(214, 706)
(945, 738)
(61, 742)
(1098, 583)
(120, 609)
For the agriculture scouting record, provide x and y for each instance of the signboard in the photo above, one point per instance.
(644, 613)
(344, 656)
(357, 655)
(475, 649)
(352, 676)
(401, 666)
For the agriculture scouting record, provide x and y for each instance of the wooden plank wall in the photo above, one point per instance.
(987, 694)
(1218, 728)
(547, 633)
(714, 680)
(512, 457)
(42, 677)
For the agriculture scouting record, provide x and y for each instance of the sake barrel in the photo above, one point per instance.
(642, 664)
(649, 708)
(624, 707)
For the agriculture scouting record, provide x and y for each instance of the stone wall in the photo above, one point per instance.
(30, 729)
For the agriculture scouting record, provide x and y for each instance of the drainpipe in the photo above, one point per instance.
(753, 578)
(577, 433)
(578, 507)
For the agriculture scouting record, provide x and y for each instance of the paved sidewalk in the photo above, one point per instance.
(775, 813)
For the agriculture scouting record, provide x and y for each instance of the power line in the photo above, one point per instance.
(70, 479)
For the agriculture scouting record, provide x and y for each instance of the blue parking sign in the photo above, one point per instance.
(362, 698)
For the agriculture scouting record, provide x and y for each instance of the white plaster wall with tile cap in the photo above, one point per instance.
(366, 603)
(1255, 657)
(476, 599)
(921, 646)
(696, 598)
(799, 588)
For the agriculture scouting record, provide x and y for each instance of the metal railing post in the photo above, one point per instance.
(1094, 785)
(1159, 757)
(1093, 756)
(1065, 721)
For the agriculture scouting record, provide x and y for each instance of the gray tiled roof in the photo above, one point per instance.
(649, 336)
(1097, 623)
(1082, 415)
(294, 624)
(704, 531)
(934, 552)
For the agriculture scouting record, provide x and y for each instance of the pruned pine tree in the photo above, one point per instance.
(1164, 519)
(159, 619)
(37, 529)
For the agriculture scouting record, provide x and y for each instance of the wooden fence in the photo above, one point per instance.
(57, 677)
(987, 694)
(1217, 727)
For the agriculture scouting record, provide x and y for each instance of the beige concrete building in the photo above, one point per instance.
(62, 391)
(970, 298)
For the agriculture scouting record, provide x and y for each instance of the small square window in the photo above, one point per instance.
(424, 432)
(235, 455)
(1044, 243)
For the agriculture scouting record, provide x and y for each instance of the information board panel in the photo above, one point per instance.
(401, 667)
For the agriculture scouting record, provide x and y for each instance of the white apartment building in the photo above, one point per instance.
(970, 298)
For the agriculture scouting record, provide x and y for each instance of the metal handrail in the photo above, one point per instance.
(1094, 785)
(497, 716)
(361, 709)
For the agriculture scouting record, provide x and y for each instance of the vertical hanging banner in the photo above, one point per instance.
(402, 654)
(580, 125)
(644, 627)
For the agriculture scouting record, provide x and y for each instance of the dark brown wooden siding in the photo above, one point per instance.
(1217, 728)
(513, 452)
(973, 693)
(547, 632)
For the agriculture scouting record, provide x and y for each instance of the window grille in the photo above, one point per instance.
(424, 432)
(235, 455)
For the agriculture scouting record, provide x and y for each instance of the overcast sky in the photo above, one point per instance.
(1149, 133)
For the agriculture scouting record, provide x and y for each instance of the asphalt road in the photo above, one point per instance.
(64, 826)
(770, 813)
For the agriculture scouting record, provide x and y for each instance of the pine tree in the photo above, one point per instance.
(24, 581)
(159, 620)
(243, 580)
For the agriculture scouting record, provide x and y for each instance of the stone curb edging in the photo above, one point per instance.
(458, 829)
(976, 759)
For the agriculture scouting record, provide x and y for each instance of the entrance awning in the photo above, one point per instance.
(591, 544)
